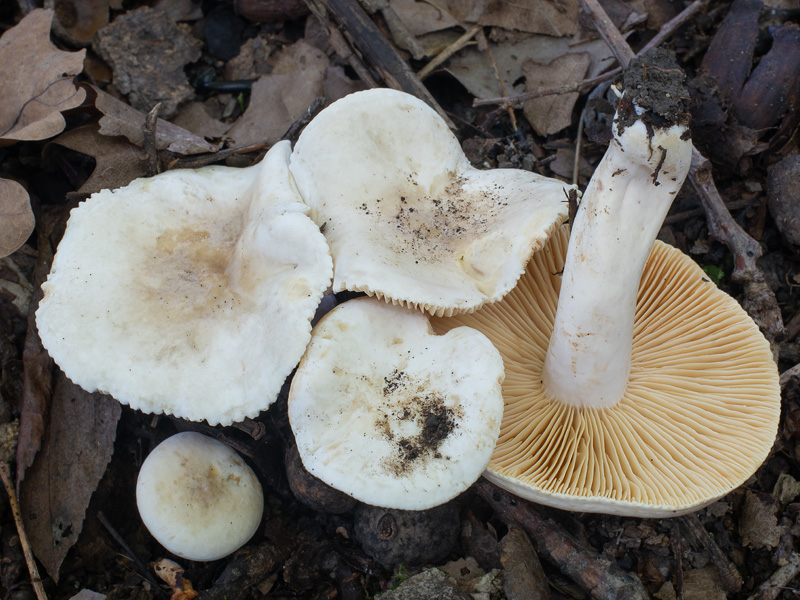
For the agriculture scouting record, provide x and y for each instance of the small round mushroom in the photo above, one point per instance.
(189, 293)
(407, 217)
(391, 414)
(633, 386)
(198, 498)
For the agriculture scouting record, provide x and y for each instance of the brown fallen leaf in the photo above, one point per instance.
(16, 216)
(280, 98)
(121, 119)
(550, 114)
(37, 376)
(80, 20)
(117, 161)
(37, 81)
(77, 447)
(533, 16)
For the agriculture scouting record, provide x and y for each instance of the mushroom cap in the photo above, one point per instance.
(391, 414)
(188, 293)
(198, 498)
(407, 217)
(698, 417)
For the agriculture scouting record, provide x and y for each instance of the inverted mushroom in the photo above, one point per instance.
(391, 414)
(198, 498)
(189, 293)
(407, 217)
(633, 384)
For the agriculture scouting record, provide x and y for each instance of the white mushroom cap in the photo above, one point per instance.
(407, 217)
(698, 417)
(198, 498)
(188, 293)
(386, 411)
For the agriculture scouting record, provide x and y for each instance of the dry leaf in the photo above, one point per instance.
(16, 216)
(194, 117)
(422, 17)
(279, 99)
(117, 161)
(122, 119)
(82, 19)
(475, 72)
(37, 81)
(758, 521)
(37, 377)
(550, 114)
(77, 447)
(550, 17)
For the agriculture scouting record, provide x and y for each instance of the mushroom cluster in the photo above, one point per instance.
(594, 371)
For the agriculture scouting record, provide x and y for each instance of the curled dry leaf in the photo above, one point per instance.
(120, 119)
(37, 81)
(16, 216)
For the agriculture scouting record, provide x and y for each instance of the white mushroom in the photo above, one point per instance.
(198, 498)
(407, 217)
(386, 411)
(188, 293)
(647, 391)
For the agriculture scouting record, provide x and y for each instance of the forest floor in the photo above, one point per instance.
(227, 80)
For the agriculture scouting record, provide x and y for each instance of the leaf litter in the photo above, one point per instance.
(67, 437)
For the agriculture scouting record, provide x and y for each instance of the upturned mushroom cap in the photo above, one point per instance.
(391, 414)
(407, 217)
(188, 293)
(198, 498)
(698, 417)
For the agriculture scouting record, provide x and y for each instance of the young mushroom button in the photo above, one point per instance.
(391, 414)
(407, 217)
(633, 384)
(198, 498)
(189, 293)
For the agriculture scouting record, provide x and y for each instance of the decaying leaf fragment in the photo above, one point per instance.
(16, 216)
(76, 449)
(37, 81)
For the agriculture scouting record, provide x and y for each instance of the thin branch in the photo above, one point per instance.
(666, 31)
(33, 570)
(449, 51)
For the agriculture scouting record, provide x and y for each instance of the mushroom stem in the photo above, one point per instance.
(589, 356)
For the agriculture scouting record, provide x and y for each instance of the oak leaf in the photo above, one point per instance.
(37, 81)
(16, 216)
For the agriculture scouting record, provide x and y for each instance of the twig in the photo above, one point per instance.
(666, 31)
(693, 213)
(379, 52)
(759, 299)
(143, 570)
(33, 570)
(449, 51)
(340, 45)
(608, 31)
(305, 119)
(729, 576)
(677, 553)
(202, 160)
(150, 151)
(499, 78)
(777, 582)
(594, 572)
